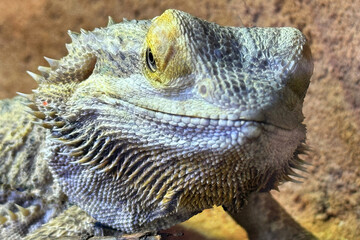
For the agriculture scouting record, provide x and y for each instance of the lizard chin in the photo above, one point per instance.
(169, 159)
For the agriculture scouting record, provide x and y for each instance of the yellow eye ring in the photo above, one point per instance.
(166, 59)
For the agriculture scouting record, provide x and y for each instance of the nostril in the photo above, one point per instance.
(300, 78)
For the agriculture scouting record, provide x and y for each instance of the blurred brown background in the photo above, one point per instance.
(328, 202)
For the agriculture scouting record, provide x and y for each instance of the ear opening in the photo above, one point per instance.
(88, 69)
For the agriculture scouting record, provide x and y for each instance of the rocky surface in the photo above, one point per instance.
(328, 202)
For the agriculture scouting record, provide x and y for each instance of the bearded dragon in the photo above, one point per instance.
(147, 123)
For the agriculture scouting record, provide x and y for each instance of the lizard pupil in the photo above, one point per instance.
(150, 60)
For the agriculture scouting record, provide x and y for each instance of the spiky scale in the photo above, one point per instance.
(38, 123)
(291, 172)
(43, 124)
(288, 178)
(73, 35)
(51, 114)
(27, 96)
(69, 47)
(110, 21)
(37, 114)
(59, 124)
(83, 31)
(45, 71)
(3, 219)
(47, 125)
(12, 215)
(303, 162)
(298, 165)
(35, 76)
(33, 107)
(61, 141)
(24, 211)
(54, 64)
(276, 188)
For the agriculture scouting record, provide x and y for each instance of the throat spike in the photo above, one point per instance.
(25, 212)
(293, 173)
(12, 215)
(276, 188)
(3, 219)
(33, 107)
(37, 114)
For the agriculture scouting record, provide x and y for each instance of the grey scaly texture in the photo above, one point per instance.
(150, 122)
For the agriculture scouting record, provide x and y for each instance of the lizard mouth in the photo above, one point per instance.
(191, 121)
(220, 121)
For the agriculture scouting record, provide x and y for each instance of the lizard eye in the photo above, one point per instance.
(150, 60)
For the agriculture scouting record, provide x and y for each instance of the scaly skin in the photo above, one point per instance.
(151, 122)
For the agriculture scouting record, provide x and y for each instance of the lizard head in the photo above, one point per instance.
(153, 121)
(215, 72)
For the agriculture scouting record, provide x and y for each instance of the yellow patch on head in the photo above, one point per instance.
(165, 54)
